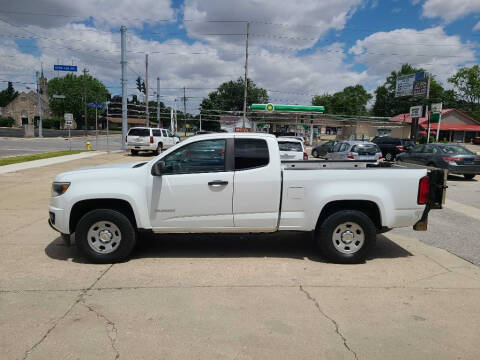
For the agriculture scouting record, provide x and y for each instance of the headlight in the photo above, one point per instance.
(59, 188)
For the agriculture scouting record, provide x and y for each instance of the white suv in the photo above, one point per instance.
(149, 139)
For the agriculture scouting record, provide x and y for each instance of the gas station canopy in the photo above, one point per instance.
(283, 108)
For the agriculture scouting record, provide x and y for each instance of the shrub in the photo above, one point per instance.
(51, 123)
(423, 139)
(6, 122)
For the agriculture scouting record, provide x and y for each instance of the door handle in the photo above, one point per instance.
(217, 183)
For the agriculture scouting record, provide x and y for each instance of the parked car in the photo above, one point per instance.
(476, 140)
(355, 150)
(291, 149)
(391, 146)
(321, 149)
(301, 138)
(150, 139)
(202, 132)
(455, 158)
(237, 183)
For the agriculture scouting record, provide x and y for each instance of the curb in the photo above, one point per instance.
(45, 162)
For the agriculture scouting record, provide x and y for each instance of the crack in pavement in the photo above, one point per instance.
(69, 310)
(337, 328)
(110, 331)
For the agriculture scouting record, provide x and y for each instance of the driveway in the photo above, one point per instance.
(230, 297)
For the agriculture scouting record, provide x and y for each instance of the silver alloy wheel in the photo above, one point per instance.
(104, 237)
(348, 237)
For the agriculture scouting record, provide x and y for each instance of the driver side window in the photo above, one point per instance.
(198, 157)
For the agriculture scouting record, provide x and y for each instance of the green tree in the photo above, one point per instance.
(386, 104)
(7, 95)
(229, 97)
(466, 83)
(72, 86)
(350, 101)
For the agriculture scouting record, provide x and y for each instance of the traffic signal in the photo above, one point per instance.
(134, 99)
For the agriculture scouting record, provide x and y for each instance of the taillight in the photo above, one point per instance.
(477, 159)
(350, 156)
(151, 139)
(305, 156)
(423, 190)
(400, 148)
(447, 159)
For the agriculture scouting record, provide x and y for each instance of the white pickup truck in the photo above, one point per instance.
(225, 183)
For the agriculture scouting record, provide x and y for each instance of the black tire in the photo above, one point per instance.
(389, 156)
(127, 233)
(468, 176)
(159, 149)
(315, 153)
(134, 152)
(325, 236)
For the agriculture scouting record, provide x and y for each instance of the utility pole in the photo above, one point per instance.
(200, 121)
(85, 100)
(123, 31)
(184, 111)
(39, 106)
(158, 101)
(147, 112)
(246, 79)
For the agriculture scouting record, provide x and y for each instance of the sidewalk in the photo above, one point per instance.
(44, 162)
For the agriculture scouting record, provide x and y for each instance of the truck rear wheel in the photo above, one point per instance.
(346, 236)
(105, 236)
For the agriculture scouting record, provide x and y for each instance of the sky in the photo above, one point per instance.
(297, 49)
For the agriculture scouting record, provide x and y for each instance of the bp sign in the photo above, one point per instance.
(269, 107)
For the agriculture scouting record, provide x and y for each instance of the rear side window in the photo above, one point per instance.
(164, 132)
(290, 146)
(139, 132)
(156, 132)
(251, 153)
(366, 149)
(343, 147)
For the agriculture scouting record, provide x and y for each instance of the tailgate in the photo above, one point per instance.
(438, 187)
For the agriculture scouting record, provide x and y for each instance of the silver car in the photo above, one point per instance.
(355, 150)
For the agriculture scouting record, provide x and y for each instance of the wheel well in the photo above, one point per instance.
(84, 206)
(160, 143)
(365, 206)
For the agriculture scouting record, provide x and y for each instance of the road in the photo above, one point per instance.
(234, 297)
(10, 146)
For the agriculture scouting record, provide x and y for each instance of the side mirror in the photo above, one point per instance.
(158, 168)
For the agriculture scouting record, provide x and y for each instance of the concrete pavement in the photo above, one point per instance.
(225, 297)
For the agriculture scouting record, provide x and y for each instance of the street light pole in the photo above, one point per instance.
(39, 106)
(246, 79)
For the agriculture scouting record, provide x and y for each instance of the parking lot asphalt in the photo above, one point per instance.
(236, 296)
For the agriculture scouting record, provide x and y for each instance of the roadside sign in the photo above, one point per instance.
(416, 111)
(437, 108)
(412, 85)
(68, 119)
(65, 68)
(56, 96)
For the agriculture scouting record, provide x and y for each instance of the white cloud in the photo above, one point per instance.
(430, 49)
(55, 13)
(476, 27)
(272, 23)
(450, 10)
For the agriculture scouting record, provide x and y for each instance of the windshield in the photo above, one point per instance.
(455, 150)
(139, 132)
(290, 146)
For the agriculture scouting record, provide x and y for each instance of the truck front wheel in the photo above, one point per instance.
(105, 236)
(346, 236)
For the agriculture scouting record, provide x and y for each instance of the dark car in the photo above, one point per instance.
(455, 158)
(392, 146)
(321, 149)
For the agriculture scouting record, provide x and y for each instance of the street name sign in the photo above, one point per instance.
(72, 68)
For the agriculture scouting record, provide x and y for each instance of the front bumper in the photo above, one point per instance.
(58, 220)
